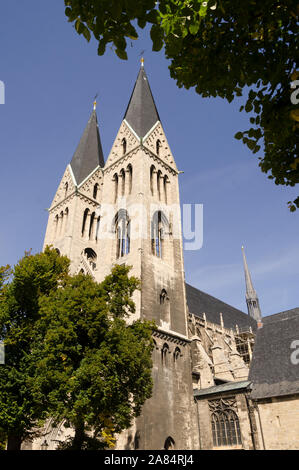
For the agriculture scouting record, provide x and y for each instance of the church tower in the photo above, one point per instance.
(127, 211)
(252, 300)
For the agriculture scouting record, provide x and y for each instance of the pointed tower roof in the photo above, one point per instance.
(141, 113)
(89, 153)
(252, 300)
(250, 292)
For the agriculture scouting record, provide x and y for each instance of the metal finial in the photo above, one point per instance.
(142, 61)
(95, 102)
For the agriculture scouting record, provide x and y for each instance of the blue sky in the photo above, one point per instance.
(51, 76)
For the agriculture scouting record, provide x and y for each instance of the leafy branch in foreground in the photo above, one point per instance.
(222, 48)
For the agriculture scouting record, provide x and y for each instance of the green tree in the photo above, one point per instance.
(32, 277)
(222, 48)
(95, 371)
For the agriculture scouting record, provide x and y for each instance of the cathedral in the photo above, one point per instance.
(223, 379)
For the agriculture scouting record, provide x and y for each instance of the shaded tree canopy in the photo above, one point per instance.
(95, 371)
(221, 48)
(71, 352)
(32, 277)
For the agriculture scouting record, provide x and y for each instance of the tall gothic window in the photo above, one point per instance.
(130, 177)
(165, 308)
(159, 222)
(123, 181)
(84, 221)
(91, 257)
(225, 424)
(122, 230)
(115, 178)
(159, 175)
(164, 354)
(176, 354)
(95, 190)
(91, 226)
(66, 213)
(98, 228)
(158, 146)
(56, 224)
(152, 179)
(165, 181)
(124, 146)
(66, 187)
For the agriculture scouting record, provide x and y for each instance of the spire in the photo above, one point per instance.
(141, 113)
(252, 300)
(89, 153)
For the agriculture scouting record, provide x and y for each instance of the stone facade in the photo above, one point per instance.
(127, 211)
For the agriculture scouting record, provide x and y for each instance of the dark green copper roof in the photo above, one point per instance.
(141, 113)
(89, 153)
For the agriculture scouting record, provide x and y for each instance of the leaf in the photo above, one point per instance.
(102, 47)
(86, 33)
(157, 37)
(239, 135)
(121, 54)
(193, 28)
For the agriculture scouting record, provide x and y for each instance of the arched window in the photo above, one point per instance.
(152, 179)
(159, 222)
(90, 253)
(91, 226)
(122, 230)
(98, 228)
(225, 428)
(163, 296)
(165, 181)
(176, 354)
(61, 222)
(165, 309)
(115, 178)
(95, 190)
(123, 181)
(159, 175)
(158, 146)
(164, 354)
(66, 215)
(56, 224)
(124, 146)
(169, 443)
(130, 177)
(66, 187)
(84, 221)
(91, 256)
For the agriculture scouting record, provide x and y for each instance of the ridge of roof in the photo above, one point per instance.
(200, 302)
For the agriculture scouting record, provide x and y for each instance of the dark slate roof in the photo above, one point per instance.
(272, 372)
(89, 153)
(141, 112)
(227, 387)
(199, 302)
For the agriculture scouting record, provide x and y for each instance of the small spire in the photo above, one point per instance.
(141, 113)
(95, 105)
(251, 296)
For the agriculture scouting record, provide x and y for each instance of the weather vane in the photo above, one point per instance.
(95, 102)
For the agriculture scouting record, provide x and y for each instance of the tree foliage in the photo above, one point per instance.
(95, 371)
(33, 277)
(70, 352)
(222, 48)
